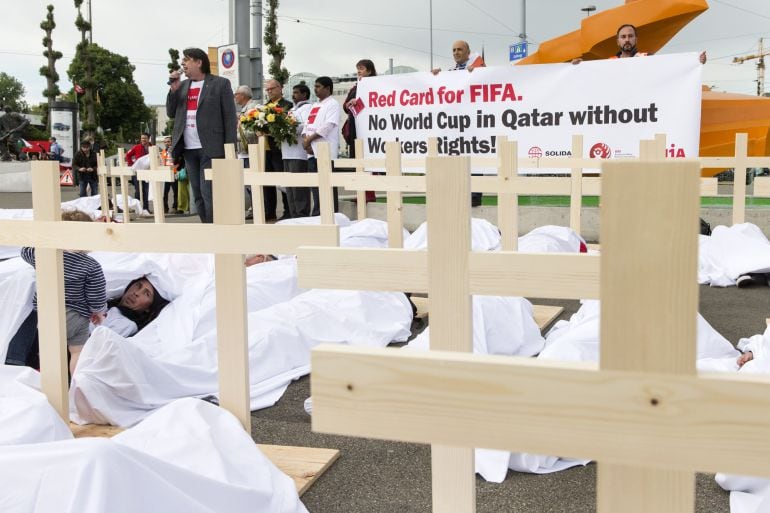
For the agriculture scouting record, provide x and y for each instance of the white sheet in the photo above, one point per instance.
(750, 494)
(190, 456)
(26, 417)
(119, 381)
(730, 252)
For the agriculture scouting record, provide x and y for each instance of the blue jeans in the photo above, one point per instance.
(87, 179)
(195, 162)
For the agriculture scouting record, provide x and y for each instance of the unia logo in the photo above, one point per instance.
(535, 152)
(600, 151)
(674, 152)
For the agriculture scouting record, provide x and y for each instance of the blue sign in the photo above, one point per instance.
(517, 51)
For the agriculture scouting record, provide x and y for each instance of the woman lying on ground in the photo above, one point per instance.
(139, 304)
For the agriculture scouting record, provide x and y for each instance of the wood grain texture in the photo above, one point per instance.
(257, 169)
(393, 198)
(325, 191)
(230, 279)
(360, 171)
(362, 269)
(576, 186)
(508, 202)
(448, 209)
(552, 275)
(49, 272)
(739, 177)
(762, 187)
(545, 315)
(165, 238)
(651, 420)
(653, 273)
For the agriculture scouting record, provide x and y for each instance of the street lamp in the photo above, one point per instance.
(588, 9)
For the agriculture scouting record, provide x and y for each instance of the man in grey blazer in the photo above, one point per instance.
(204, 121)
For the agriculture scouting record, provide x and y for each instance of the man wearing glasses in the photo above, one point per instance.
(273, 156)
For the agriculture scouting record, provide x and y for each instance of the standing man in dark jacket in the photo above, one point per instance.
(85, 166)
(273, 156)
(204, 121)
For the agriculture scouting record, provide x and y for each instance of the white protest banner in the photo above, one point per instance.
(613, 103)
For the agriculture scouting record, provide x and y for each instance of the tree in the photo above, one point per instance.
(11, 93)
(87, 81)
(119, 102)
(275, 48)
(49, 70)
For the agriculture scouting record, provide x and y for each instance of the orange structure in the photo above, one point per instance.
(657, 21)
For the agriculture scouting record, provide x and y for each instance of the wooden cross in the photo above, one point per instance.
(449, 273)
(123, 173)
(157, 176)
(256, 177)
(229, 239)
(645, 416)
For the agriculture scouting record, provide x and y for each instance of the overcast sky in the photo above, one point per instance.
(327, 38)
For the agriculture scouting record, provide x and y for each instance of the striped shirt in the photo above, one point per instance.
(85, 289)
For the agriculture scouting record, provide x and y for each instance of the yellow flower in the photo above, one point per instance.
(270, 118)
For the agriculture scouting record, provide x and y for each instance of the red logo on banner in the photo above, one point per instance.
(599, 151)
(674, 152)
(535, 152)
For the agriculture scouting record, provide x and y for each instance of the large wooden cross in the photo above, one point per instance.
(449, 273)
(644, 415)
(229, 239)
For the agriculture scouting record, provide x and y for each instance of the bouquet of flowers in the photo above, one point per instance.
(271, 120)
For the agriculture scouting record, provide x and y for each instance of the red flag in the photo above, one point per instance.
(79, 89)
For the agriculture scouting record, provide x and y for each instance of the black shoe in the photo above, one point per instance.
(249, 215)
(751, 280)
(284, 217)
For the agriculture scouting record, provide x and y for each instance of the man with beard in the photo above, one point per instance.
(627, 40)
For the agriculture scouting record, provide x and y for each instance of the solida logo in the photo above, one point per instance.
(535, 152)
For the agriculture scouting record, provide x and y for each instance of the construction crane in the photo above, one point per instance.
(760, 66)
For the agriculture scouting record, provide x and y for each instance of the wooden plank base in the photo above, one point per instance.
(545, 315)
(303, 464)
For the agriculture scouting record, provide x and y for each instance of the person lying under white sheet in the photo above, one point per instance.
(189, 456)
(738, 255)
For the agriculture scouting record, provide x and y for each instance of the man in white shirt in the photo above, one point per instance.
(322, 126)
(295, 156)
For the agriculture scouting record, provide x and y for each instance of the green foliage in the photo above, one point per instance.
(49, 70)
(119, 102)
(174, 64)
(275, 48)
(12, 93)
